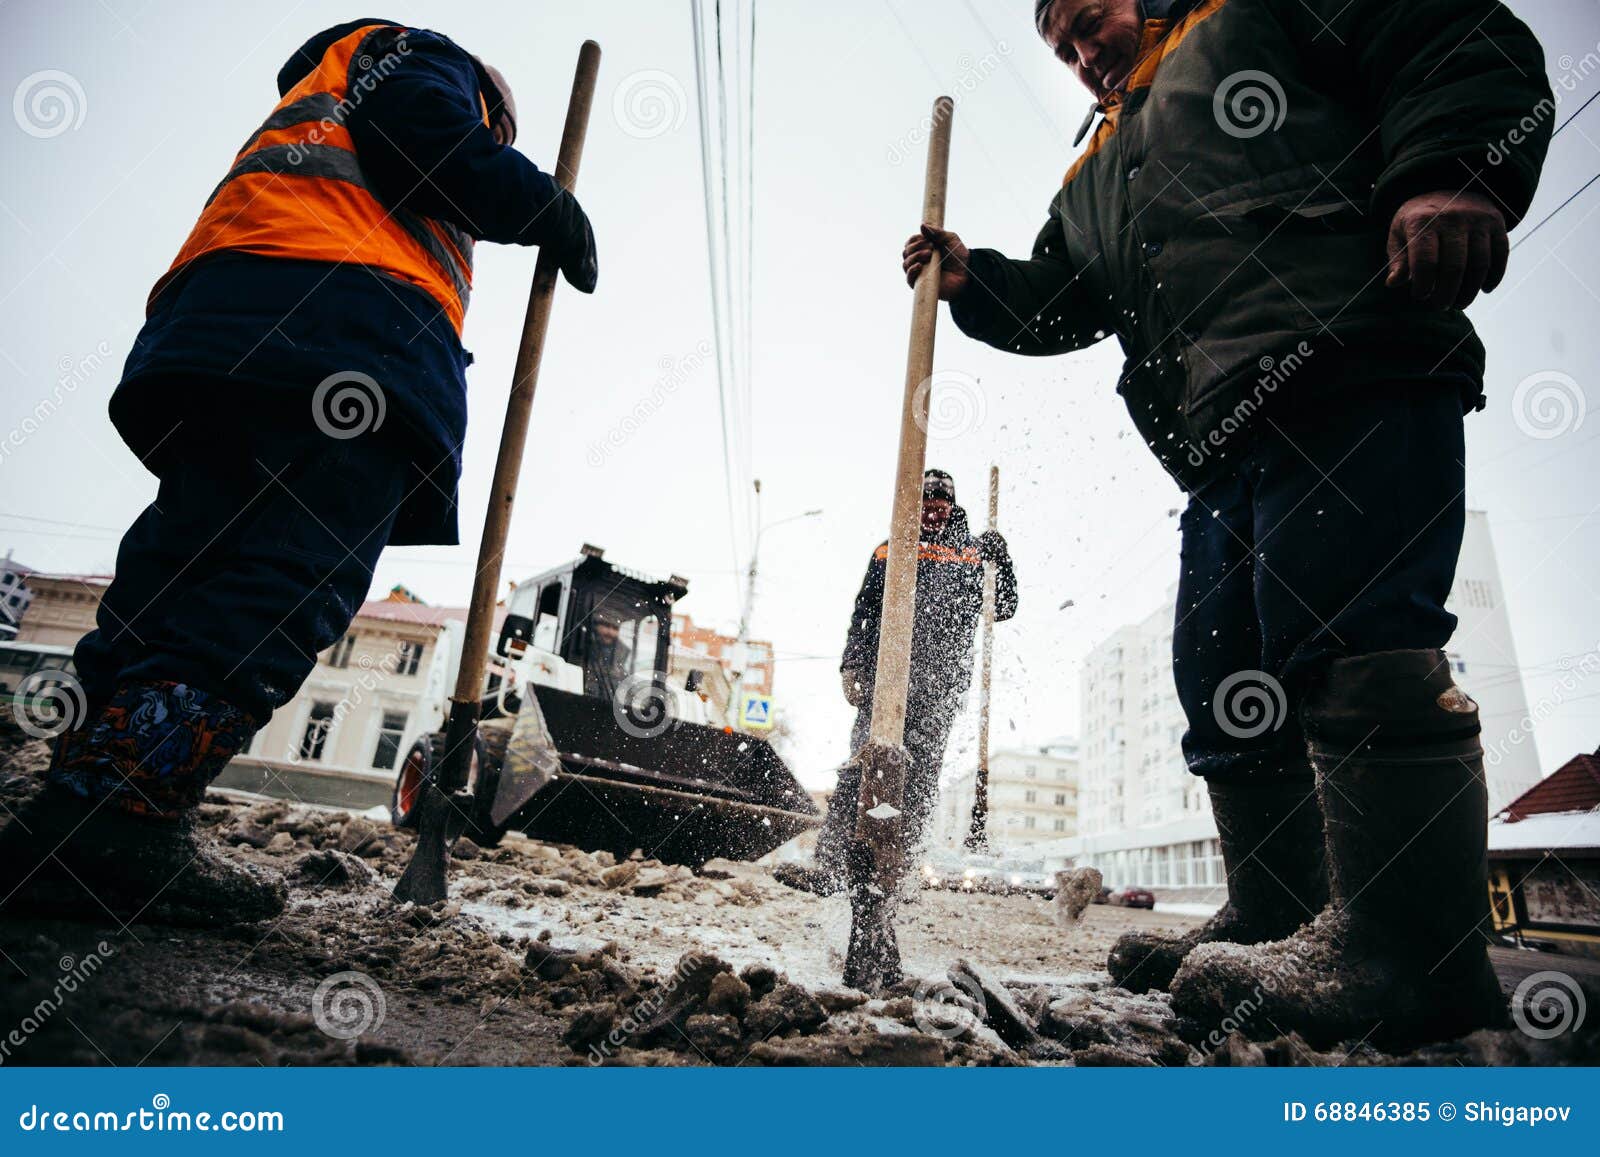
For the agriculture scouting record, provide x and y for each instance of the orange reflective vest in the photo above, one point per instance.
(296, 189)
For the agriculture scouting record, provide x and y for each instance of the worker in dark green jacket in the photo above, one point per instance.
(1281, 213)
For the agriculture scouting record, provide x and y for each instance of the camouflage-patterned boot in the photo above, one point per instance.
(112, 834)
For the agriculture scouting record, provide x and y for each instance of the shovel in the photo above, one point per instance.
(978, 834)
(447, 804)
(875, 858)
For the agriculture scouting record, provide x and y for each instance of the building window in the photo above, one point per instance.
(318, 723)
(1030, 771)
(1027, 822)
(408, 656)
(1060, 825)
(1030, 796)
(1061, 799)
(390, 733)
(339, 656)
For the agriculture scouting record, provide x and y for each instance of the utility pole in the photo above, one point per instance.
(743, 639)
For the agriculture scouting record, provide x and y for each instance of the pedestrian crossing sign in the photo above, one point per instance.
(755, 712)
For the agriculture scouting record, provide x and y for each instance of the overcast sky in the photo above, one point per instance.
(162, 93)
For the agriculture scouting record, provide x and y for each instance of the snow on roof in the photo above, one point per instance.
(1551, 831)
(420, 614)
(1573, 787)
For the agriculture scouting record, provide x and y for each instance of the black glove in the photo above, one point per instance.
(572, 237)
(991, 546)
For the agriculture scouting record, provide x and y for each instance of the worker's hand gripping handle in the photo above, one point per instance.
(448, 803)
(882, 784)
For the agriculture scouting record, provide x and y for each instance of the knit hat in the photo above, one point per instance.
(938, 484)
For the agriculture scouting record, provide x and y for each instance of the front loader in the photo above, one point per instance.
(588, 744)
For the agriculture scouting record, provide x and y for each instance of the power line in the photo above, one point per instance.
(719, 322)
(1574, 116)
(1556, 210)
(62, 522)
(725, 83)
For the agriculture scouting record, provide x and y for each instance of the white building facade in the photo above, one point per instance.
(1033, 799)
(1143, 819)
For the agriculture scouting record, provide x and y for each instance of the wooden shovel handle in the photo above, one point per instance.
(900, 582)
(519, 406)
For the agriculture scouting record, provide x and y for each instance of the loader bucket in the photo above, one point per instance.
(685, 793)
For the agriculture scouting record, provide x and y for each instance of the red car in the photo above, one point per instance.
(1132, 897)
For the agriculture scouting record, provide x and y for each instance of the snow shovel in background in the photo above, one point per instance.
(978, 835)
(875, 858)
(447, 804)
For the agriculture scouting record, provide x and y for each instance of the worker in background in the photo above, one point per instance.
(298, 390)
(950, 568)
(606, 660)
(1283, 212)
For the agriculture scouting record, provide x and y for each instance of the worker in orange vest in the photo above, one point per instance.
(298, 389)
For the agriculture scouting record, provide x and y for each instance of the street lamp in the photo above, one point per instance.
(750, 598)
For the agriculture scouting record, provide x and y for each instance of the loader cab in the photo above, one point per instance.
(610, 623)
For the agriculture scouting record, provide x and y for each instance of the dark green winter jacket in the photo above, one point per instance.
(1228, 219)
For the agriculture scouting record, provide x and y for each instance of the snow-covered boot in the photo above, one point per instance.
(112, 833)
(826, 874)
(1398, 957)
(813, 878)
(1272, 850)
(67, 858)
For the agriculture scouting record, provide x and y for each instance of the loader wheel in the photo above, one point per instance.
(422, 765)
(417, 769)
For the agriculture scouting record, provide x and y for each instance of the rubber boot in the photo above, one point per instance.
(813, 878)
(1399, 956)
(872, 958)
(112, 833)
(67, 858)
(1272, 851)
(827, 874)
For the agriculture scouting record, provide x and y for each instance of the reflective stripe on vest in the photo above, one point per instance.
(297, 189)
